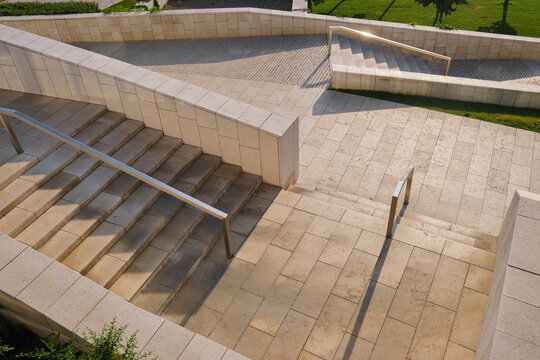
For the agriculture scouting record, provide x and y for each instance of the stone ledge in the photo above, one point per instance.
(35, 64)
(50, 298)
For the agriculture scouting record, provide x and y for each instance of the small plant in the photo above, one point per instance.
(4, 349)
(109, 343)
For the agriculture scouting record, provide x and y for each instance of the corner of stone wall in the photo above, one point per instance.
(261, 142)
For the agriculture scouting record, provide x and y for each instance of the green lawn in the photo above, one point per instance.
(523, 15)
(527, 119)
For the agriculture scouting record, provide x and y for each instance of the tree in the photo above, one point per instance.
(443, 7)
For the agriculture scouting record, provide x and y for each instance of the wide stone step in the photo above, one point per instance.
(88, 253)
(85, 191)
(68, 123)
(422, 66)
(401, 61)
(380, 59)
(369, 56)
(411, 63)
(346, 53)
(195, 289)
(126, 249)
(183, 260)
(153, 256)
(24, 185)
(418, 222)
(358, 53)
(52, 190)
(108, 201)
(390, 58)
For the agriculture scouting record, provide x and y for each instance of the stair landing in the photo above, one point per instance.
(316, 278)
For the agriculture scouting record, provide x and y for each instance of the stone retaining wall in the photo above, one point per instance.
(212, 23)
(261, 142)
(49, 298)
(436, 86)
(510, 328)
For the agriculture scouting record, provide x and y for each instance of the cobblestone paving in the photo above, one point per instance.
(294, 60)
(497, 70)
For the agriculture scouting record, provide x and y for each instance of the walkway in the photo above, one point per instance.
(466, 170)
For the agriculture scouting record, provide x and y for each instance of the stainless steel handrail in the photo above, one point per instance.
(386, 41)
(116, 164)
(405, 178)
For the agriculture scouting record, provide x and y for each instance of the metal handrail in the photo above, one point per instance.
(387, 41)
(117, 165)
(405, 178)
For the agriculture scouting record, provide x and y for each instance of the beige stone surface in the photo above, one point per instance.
(468, 322)
(431, 336)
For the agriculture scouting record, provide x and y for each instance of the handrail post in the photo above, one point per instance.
(391, 218)
(11, 134)
(408, 189)
(405, 178)
(447, 67)
(228, 240)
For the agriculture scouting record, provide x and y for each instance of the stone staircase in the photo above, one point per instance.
(119, 232)
(407, 221)
(351, 51)
(414, 229)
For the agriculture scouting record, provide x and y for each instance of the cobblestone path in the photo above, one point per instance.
(294, 60)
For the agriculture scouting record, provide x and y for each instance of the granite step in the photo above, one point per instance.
(335, 53)
(422, 66)
(380, 59)
(41, 229)
(184, 260)
(119, 195)
(390, 58)
(52, 190)
(346, 53)
(369, 56)
(25, 184)
(169, 238)
(358, 53)
(413, 66)
(401, 61)
(90, 251)
(67, 122)
(134, 241)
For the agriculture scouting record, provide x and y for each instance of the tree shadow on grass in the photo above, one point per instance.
(335, 7)
(498, 27)
(386, 10)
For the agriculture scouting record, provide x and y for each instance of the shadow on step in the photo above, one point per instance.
(200, 284)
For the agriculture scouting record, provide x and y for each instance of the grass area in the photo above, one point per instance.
(527, 119)
(36, 8)
(522, 14)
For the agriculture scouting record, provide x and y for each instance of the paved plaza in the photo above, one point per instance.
(466, 170)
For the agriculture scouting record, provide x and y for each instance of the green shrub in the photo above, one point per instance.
(110, 343)
(36, 8)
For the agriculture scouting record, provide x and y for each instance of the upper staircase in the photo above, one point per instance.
(351, 51)
(123, 234)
